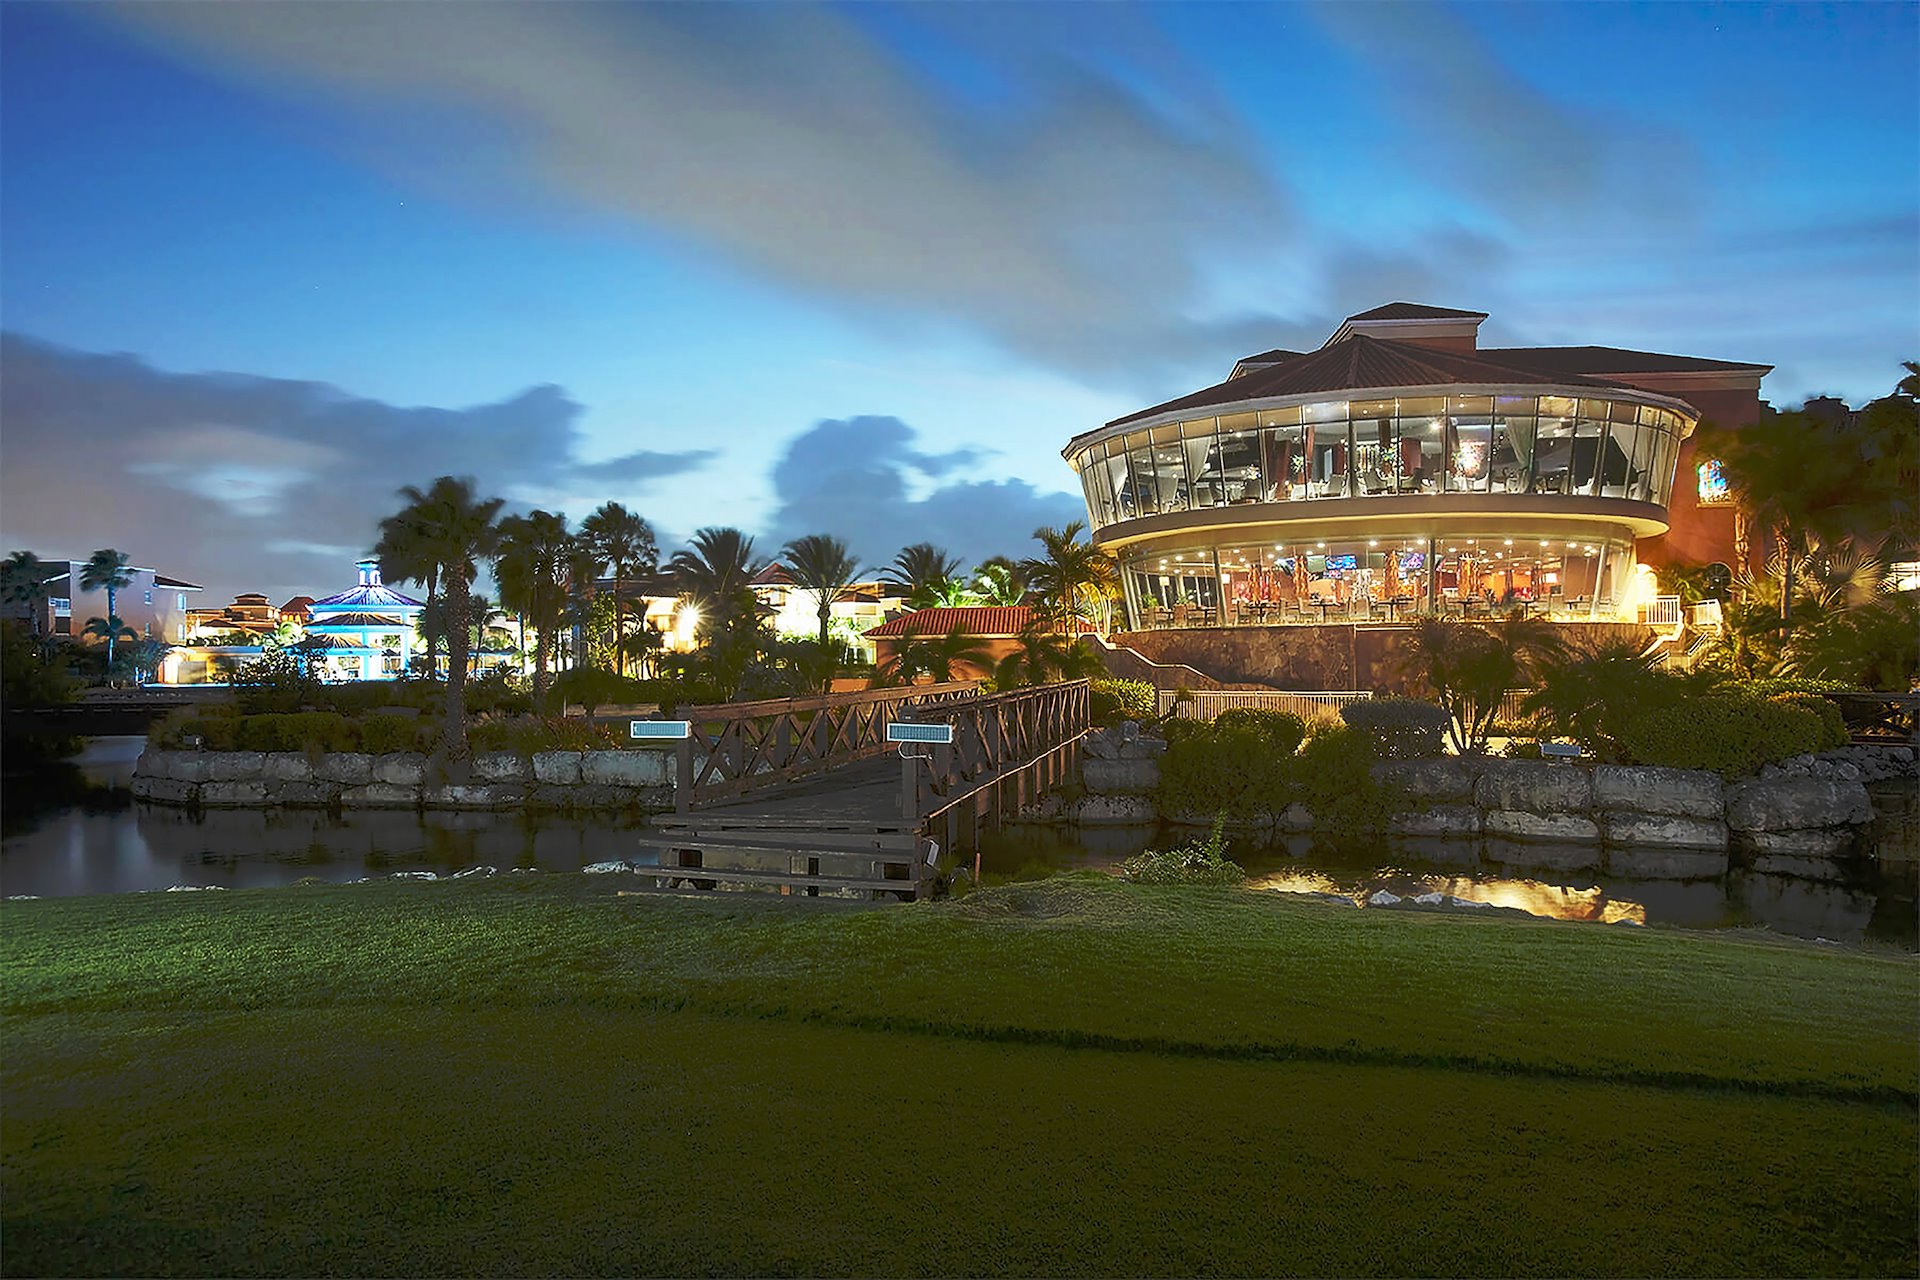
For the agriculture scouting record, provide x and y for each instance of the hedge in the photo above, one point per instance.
(1732, 736)
(1401, 728)
(1111, 701)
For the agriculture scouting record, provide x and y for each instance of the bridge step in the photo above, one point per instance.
(901, 844)
(795, 879)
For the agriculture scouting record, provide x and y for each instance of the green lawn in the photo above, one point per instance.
(535, 1075)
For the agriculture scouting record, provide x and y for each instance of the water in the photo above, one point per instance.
(76, 831)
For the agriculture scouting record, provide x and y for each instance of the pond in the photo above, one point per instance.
(76, 831)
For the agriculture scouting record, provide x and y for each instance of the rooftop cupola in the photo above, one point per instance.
(369, 573)
(1442, 328)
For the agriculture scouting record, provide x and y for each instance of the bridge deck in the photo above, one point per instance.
(865, 795)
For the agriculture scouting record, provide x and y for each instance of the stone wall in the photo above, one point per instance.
(1632, 820)
(351, 780)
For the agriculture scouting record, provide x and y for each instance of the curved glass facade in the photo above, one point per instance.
(1535, 444)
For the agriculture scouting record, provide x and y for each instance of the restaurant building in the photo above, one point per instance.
(1402, 469)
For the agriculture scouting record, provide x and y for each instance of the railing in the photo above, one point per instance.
(1208, 703)
(738, 746)
(1892, 718)
(994, 737)
(1661, 611)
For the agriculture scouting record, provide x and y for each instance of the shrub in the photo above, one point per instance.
(1283, 730)
(217, 726)
(1589, 695)
(1221, 769)
(499, 693)
(1831, 719)
(1730, 735)
(1111, 701)
(297, 731)
(1401, 728)
(384, 735)
(1200, 862)
(274, 683)
(529, 734)
(1333, 777)
(1773, 686)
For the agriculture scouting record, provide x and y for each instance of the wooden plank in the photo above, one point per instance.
(779, 845)
(793, 878)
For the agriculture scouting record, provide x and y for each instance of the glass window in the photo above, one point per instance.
(1376, 449)
(1329, 411)
(1616, 459)
(1203, 477)
(1284, 462)
(1115, 483)
(1589, 436)
(1514, 440)
(1713, 484)
(1552, 452)
(1239, 455)
(1469, 443)
(1639, 479)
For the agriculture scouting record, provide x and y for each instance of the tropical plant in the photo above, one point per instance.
(107, 570)
(1589, 691)
(823, 566)
(934, 657)
(531, 562)
(1045, 655)
(625, 545)
(407, 553)
(926, 574)
(1072, 577)
(1470, 667)
(453, 529)
(1000, 581)
(1202, 862)
(1874, 645)
(23, 585)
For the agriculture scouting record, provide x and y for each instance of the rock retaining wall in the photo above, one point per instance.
(1808, 820)
(351, 780)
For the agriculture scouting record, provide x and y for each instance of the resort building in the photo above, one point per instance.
(366, 632)
(795, 613)
(994, 629)
(1403, 469)
(153, 604)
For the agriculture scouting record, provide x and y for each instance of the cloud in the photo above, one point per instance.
(1070, 217)
(852, 478)
(248, 483)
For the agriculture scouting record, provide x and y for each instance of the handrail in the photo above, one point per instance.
(822, 701)
(1012, 728)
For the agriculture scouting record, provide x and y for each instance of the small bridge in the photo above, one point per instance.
(808, 794)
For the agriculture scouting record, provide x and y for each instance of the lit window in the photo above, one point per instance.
(1713, 484)
(149, 598)
(180, 600)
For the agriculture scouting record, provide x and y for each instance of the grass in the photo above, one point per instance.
(1072, 1076)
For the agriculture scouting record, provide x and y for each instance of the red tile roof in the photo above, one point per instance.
(991, 621)
(1360, 362)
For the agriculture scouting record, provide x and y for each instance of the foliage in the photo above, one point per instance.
(23, 584)
(382, 735)
(530, 734)
(1874, 645)
(1230, 769)
(1588, 693)
(823, 567)
(500, 692)
(1728, 734)
(29, 677)
(1401, 728)
(1470, 668)
(937, 658)
(927, 574)
(1202, 862)
(1001, 581)
(1771, 686)
(1833, 723)
(1283, 730)
(1072, 577)
(1111, 701)
(624, 543)
(225, 728)
(1333, 777)
(276, 682)
(1043, 657)
(532, 567)
(107, 570)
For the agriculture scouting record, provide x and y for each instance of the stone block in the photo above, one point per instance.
(1817, 842)
(1542, 856)
(303, 795)
(233, 794)
(1448, 781)
(1107, 776)
(401, 769)
(353, 768)
(1685, 793)
(1437, 820)
(1100, 744)
(165, 790)
(381, 795)
(1111, 810)
(1802, 868)
(1526, 824)
(472, 796)
(1523, 785)
(1664, 831)
(1796, 803)
(559, 767)
(627, 768)
(1143, 749)
(1295, 817)
(499, 766)
(1668, 863)
(182, 766)
(155, 763)
(234, 766)
(287, 766)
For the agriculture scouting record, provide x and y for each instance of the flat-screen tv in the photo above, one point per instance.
(1412, 561)
(1343, 562)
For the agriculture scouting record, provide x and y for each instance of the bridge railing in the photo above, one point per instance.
(737, 747)
(994, 737)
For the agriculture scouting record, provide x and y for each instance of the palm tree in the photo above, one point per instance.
(106, 569)
(716, 574)
(452, 529)
(531, 568)
(1044, 655)
(625, 544)
(1070, 574)
(147, 656)
(582, 567)
(934, 656)
(925, 572)
(822, 565)
(23, 582)
(406, 552)
(1000, 580)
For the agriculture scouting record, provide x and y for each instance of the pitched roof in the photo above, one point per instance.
(1415, 311)
(1612, 360)
(987, 620)
(365, 597)
(162, 580)
(355, 620)
(1274, 356)
(1359, 362)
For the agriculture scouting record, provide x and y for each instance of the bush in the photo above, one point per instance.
(529, 734)
(384, 735)
(499, 693)
(297, 731)
(1773, 686)
(1283, 730)
(274, 683)
(1201, 862)
(1732, 736)
(1111, 701)
(1220, 769)
(1333, 777)
(1589, 694)
(1400, 728)
(1831, 719)
(217, 726)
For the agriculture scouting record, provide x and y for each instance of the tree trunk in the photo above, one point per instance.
(542, 637)
(455, 728)
(110, 630)
(1785, 534)
(1742, 540)
(619, 628)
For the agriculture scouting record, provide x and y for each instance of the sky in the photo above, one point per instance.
(861, 270)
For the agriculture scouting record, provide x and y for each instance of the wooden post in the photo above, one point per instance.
(683, 776)
(909, 786)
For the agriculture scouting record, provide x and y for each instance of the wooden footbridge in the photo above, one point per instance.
(811, 795)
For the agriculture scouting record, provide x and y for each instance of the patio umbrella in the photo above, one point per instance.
(1390, 577)
(1302, 580)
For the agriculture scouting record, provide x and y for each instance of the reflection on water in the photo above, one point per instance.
(1882, 910)
(73, 832)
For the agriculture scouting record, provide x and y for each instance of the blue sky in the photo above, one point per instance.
(865, 267)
